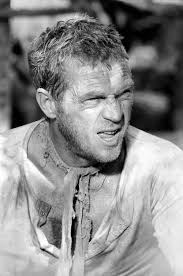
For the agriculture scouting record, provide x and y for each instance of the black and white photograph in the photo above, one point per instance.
(91, 138)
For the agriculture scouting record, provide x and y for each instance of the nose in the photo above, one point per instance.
(112, 110)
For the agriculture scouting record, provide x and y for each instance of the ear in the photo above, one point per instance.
(46, 103)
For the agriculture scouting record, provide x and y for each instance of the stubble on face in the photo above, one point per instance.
(77, 139)
(74, 142)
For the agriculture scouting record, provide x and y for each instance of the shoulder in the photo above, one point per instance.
(154, 164)
(152, 149)
(11, 146)
(12, 140)
(159, 166)
(15, 135)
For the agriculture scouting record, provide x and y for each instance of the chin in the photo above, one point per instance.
(109, 156)
(98, 153)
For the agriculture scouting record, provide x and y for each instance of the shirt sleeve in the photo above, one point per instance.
(9, 180)
(167, 208)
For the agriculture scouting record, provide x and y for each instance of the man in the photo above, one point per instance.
(82, 192)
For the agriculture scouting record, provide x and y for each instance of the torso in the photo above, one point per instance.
(122, 241)
(102, 186)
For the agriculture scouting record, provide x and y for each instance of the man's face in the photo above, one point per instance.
(94, 113)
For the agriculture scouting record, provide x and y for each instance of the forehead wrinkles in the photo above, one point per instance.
(96, 76)
(115, 74)
(88, 76)
(119, 72)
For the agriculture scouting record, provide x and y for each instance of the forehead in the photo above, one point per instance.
(101, 76)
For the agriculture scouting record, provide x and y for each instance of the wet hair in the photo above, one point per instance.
(82, 38)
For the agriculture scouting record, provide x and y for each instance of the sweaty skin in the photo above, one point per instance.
(91, 120)
(94, 114)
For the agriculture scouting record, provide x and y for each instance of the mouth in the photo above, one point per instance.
(109, 136)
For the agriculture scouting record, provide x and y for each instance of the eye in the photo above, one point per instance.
(93, 100)
(126, 94)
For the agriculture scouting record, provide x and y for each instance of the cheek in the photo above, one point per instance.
(83, 121)
(88, 118)
(82, 124)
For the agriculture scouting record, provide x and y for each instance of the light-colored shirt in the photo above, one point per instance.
(139, 234)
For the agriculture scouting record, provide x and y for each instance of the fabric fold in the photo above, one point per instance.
(76, 224)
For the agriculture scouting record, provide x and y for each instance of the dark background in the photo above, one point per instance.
(152, 35)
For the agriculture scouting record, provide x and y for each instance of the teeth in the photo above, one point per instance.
(110, 132)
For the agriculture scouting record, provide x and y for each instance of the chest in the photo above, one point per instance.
(102, 192)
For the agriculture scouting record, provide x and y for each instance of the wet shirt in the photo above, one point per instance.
(140, 232)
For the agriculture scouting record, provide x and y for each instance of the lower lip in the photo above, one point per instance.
(109, 139)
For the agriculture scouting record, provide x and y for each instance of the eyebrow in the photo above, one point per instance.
(128, 86)
(92, 94)
(100, 94)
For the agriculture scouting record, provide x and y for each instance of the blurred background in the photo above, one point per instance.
(152, 33)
